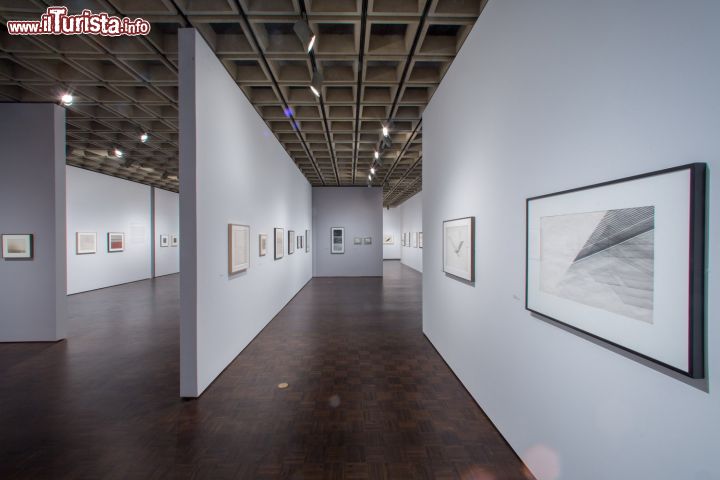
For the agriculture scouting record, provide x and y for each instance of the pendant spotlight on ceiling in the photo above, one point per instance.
(144, 137)
(307, 36)
(118, 153)
(385, 131)
(67, 99)
(316, 83)
(372, 170)
(386, 142)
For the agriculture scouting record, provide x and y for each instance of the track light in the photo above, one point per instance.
(377, 154)
(67, 99)
(307, 36)
(118, 153)
(316, 83)
(144, 137)
(386, 132)
(372, 170)
(386, 142)
(369, 177)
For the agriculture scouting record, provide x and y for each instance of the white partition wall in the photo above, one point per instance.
(543, 97)
(411, 214)
(359, 211)
(32, 201)
(233, 170)
(102, 204)
(166, 209)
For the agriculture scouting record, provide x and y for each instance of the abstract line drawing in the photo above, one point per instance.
(602, 259)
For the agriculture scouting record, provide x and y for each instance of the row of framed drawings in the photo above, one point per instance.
(169, 241)
(621, 261)
(412, 239)
(239, 245)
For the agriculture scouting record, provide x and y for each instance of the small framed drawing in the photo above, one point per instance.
(388, 239)
(307, 240)
(291, 242)
(238, 248)
(116, 242)
(367, 240)
(404, 239)
(17, 245)
(624, 262)
(357, 241)
(420, 240)
(299, 242)
(459, 248)
(174, 240)
(164, 240)
(337, 240)
(262, 244)
(279, 243)
(85, 243)
(414, 236)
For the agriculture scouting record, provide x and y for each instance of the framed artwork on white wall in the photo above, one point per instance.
(164, 240)
(116, 242)
(85, 243)
(262, 244)
(299, 242)
(174, 240)
(307, 240)
(624, 262)
(238, 248)
(291, 242)
(459, 248)
(357, 241)
(337, 240)
(17, 246)
(367, 240)
(279, 243)
(388, 239)
(420, 239)
(414, 236)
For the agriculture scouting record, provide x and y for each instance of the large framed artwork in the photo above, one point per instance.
(624, 262)
(238, 248)
(262, 244)
(337, 240)
(307, 240)
(279, 243)
(17, 245)
(85, 243)
(291, 242)
(459, 248)
(388, 239)
(115, 242)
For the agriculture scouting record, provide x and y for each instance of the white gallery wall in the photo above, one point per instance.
(543, 97)
(411, 212)
(392, 225)
(32, 201)
(166, 208)
(359, 210)
(103, 204)
(233, 171)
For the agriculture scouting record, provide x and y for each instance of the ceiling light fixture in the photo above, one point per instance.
(118, 153)
(67, 99)
(370, 177)
(144, 137)
(316, 83)
(372, 170)
(377, 154)
(307, 36)
(386, 132)
(386, 142)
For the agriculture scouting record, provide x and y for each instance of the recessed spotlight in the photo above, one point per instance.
(118, 153)
(67, 99)
(372, 170)
(386, 132)
(144, 137)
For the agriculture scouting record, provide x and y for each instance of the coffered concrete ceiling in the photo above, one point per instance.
(381, 61)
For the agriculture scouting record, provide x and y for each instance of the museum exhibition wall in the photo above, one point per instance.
(107, 208)
(32, 222)
(392, 228)
(411, 211)
(166, 215)
(551, 96)
(355, 215)
(237, 184)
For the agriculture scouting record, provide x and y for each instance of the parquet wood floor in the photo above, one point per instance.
(369, 398)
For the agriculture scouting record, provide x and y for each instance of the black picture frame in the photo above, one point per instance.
(696, 267)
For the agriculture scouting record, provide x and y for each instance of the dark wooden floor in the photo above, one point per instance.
(368, 396)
